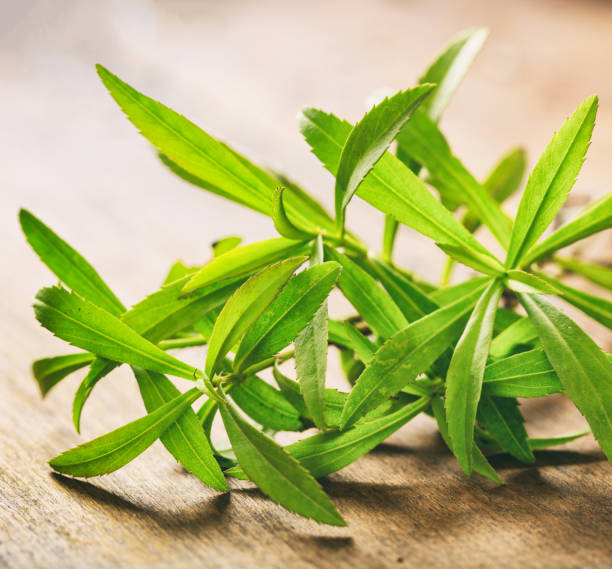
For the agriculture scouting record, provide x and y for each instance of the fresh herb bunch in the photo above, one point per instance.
(411, 347)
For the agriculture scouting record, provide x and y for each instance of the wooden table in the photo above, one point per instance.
(241, 70)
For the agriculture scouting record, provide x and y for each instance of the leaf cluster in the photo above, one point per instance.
(463, 354)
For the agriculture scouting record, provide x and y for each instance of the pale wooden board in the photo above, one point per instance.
(242, 70)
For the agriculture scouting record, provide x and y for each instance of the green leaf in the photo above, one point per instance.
(226, 244)
(363, 346)
(184, 439)
(528, 374)
(597, 274)
(408, 353)
(595, 218)
(389, 235)
(100, 368)
(177, 271)
(311, 354)
(48, 372)
(282, 223)
(168, 311)
(91, 328)
(540, 443)
(311, 364)
(521, 281)
(67, 264)
(369, 140)
(501, 183)
(266, 405)
(479, 462)
(199, 158)
(465, 373)
(112, 451)
(446, 295)
(422, 139)
(244, 260)
(373, 304)
(584, 370)
(449, 68)
(482, 263)
(410, 299)
(505, 422)
(391, 187)
(329, 452)
(596, 307)
(244, 307)
(334, 399)
(157, 316)
(287, 315)
(551, 180)
(519, 333)
(277, 474)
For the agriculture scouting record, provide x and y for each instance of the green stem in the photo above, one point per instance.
(186, 342)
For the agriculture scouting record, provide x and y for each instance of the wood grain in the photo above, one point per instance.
(242, 70)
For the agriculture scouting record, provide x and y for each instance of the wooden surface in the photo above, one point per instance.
(242, 70)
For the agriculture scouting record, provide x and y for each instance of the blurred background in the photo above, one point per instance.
(240, 70)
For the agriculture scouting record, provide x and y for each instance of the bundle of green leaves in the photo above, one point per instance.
(458, 353)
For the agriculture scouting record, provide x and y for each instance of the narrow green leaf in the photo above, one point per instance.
(277, 474)
(597, 274)
(528, 374)
(426, 144)
(540, 443)
(311, 364)
(449, 68)
(311, 354)
(99, 368)
(595, 218)
(91, 328)
(408, 353)
(244, 260)
(334, 399)
(266, 405)
(201, 159)
(244, 307)
(596, 307)
(115, 449)
(67, 264)
(226, 244)
(389, 235)
(364, 347)
(505, 422)
(48, 372)
(282, 223)
(501, 183)
(410, 299)
(449, 294)
(482, 263)
(369, 140)
(465, 373)
(520, 333)
(177, 271)
(373, 304)
(391, 187)
(551, 180)
(584, 370)
(156, 317)
(184, 439)
(329, 452)
(479, 462)
(287, 315)
(168, 311)
(521, 281)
